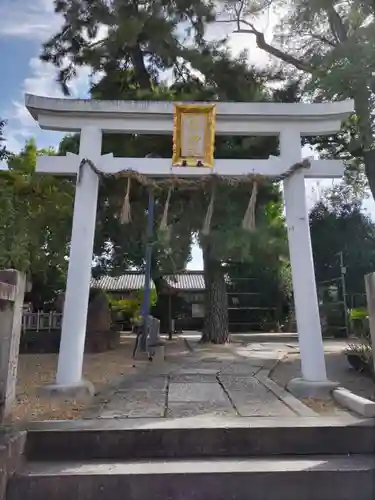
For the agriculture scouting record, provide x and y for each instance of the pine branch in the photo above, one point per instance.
(272, 50)
(240, 9)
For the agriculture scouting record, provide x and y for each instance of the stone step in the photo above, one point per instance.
(142, 439)
(277, 478)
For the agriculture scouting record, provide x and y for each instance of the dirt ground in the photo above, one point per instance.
(36, 370)
(338, 370)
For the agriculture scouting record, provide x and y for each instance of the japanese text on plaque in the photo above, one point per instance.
(193, 132)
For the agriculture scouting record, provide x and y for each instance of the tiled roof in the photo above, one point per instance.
(135, 281)
(187, 281)
(131, 281)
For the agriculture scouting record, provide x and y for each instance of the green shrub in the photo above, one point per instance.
(130, 308)
(358, 313)
(359, 323)
(359, 352)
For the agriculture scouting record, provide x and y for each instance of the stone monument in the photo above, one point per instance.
(12, 290)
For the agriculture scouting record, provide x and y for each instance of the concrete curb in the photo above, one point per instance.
(188, 345)
(279, 360)
(351, 401)
(286, 397)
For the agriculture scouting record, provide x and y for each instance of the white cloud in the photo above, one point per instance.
(35, 21)
(41, 81)
(22, 116)
(28, 20)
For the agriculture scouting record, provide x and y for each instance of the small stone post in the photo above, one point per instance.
(12, 290)
(370, 296)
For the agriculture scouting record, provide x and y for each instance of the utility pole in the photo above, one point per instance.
(148, 256)
(343, 286)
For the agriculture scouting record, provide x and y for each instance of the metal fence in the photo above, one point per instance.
(357, 300)
(41, 321)
(248, 309)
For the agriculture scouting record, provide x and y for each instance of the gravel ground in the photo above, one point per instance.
(338, 370)
(36, 370)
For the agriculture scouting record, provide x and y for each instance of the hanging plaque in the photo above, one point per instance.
(193, 135)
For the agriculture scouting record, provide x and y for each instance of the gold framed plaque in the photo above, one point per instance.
(193, 135)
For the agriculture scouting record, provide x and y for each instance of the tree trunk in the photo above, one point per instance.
(140, 69)
(362, 106)
(157, 276)
(216, 304)
(369, 161)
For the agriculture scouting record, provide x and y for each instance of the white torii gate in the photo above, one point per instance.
(91, 118)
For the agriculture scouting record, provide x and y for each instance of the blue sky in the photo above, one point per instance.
(24, 26)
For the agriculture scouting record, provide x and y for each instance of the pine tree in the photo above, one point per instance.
(146, 37)
(133, 56)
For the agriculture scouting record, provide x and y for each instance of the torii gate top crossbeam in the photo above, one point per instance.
(155, 117)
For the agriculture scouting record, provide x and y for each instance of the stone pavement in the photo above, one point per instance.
(202, 381)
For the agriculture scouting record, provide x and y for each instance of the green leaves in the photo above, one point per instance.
(35, 214)
(144, 42)
(139, 36)
(328, 45)
(338, 225)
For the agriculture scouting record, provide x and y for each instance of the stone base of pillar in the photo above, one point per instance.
(301, 388)
(80, 391)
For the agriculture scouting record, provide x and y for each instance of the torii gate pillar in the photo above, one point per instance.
(314, 381)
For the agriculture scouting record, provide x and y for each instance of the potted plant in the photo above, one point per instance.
(359, 351)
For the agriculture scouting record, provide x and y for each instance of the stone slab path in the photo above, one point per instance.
(202, 381)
